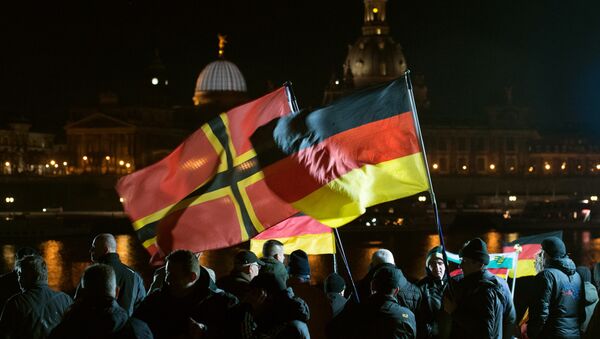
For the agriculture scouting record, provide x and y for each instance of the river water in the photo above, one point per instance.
(67, 256)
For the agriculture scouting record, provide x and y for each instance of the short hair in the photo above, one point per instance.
(99, 280)
(270, 247)
(23, 251)
(35, 266)
(186, 259)
(107, 240)
(382, 256)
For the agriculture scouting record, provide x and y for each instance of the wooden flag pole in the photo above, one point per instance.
(431, 192)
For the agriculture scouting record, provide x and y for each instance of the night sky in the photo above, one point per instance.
(59, 54)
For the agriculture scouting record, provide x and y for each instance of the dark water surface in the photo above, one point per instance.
(67, 255)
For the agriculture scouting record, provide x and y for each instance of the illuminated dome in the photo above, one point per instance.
(375, 57)
(221, 75)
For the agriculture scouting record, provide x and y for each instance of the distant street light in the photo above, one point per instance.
(512, 198)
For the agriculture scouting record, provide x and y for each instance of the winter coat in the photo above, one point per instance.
(169, 316)
(379, 316)
(130, 285)
(99, 319)
(484, 307)
(434, 322)
(557, 307)
(33, 313)
(236, 284)
(337, 303)
(281, 315)
(591, 299)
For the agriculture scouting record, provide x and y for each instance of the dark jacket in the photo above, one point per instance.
(337, 303)
(9, 286)
(484, 307)
(557, 307)
(130, 285)
(378, 316)
(409, 295)
(168, 316)
(276, 267)
(236, 284)
(33, 313)
(434, 322)
(281, 315)
(591, 299)
(99, 319)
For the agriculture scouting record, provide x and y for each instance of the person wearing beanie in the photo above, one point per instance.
(556, 309)
(318, 304)
(480, 303)
(434, 322)
(334, 286)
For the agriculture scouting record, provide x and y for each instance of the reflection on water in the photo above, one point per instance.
(8, 255)
(67, 257)
(57, 274)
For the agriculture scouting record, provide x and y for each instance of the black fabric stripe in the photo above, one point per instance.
(290, 134)
(534, 239)
(230, 178)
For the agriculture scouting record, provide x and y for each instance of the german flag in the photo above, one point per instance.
(528, 247)
(333, 163)
(299, 232)
(208, 193)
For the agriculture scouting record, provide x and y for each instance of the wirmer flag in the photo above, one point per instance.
(208, 193)
(333, 163)
(299, 232)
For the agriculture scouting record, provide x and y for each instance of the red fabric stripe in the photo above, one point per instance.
(311, 168)
(529, 250)
(244, 120)
(209, 225)
(268, 207)
(294, 227)
(169, 180)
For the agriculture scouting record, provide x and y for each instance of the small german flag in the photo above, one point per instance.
(334, 162)
(299, 232)
(528, 247)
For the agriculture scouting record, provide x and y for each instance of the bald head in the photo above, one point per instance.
(103, 243)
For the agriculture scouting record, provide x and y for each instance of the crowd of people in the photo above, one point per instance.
(271, 297)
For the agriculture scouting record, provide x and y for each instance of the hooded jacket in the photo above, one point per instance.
(557, 307)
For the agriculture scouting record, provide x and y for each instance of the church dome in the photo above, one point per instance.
(374, 59)
(220, 76)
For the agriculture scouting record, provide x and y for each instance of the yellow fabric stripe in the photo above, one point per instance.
(346, 198)
(216, 144)
(525, 267)
(183, 204)
(149, 242)
(310, 243)
(242, 184)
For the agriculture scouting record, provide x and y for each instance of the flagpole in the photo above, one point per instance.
(343, 255)
(424, 156)
(514, 281)
(291, 96)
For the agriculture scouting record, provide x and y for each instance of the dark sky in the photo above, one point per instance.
(57, 54)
